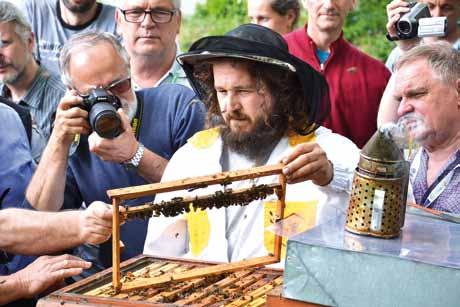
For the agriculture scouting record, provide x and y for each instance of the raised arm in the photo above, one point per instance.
(388, 105)
(46, 189)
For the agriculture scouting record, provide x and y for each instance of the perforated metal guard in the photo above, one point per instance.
(370, 214)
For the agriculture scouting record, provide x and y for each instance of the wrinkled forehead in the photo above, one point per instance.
(7, 28)
(147, 4)
(109, 63)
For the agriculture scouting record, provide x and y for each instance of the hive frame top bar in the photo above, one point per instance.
(187, 183)
(118, 195)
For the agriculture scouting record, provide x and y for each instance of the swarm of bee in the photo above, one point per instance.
(180, 205)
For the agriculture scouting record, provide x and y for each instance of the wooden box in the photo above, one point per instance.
(242, 288)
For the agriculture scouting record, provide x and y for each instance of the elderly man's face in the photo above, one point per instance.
(429, 106)
(328, 15)
(148, 37)
(447, 8)
(101, 66)
(80, 6)
(242, 101)
(15, 54)
(260, 12)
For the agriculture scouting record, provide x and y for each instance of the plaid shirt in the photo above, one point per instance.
(445, 197)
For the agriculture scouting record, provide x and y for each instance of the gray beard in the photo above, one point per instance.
(130, 108)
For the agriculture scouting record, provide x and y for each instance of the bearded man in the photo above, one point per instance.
(155, 123)
(25, 84)
(55, 22)
(264, 106)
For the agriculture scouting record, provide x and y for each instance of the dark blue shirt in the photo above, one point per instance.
(171, 114)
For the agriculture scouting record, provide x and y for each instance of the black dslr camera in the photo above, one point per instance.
(102, 113)
(419, 23)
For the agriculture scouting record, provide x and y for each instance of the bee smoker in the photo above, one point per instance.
(378, 197)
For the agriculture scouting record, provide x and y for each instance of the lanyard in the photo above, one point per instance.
(438, 186)
(137, 120)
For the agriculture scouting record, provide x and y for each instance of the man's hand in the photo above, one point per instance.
(394, 10)
(308, 161)
(119, 149)
(46, 271)
(96, 223)
(70, 119)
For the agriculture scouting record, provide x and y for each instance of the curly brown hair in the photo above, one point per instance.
(290, 104)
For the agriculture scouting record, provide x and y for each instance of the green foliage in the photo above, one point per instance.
(214, 17)
(365, 26)
(222, 8)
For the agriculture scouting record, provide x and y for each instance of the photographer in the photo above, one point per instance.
(154, 124)
(438, 8)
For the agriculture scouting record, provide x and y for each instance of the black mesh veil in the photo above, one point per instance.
(257, 43)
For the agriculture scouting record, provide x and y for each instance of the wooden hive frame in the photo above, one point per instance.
(119, 195)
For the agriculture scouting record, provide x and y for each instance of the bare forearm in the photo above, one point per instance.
(388, 105)
(152, 166)
(10, 289)
(46, 189)
(33, 233)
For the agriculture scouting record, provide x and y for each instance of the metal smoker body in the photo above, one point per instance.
(378, 197)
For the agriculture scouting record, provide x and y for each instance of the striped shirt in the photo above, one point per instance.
(175, 75)
(41, 99)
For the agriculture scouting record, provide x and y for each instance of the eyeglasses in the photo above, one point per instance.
(157, 15)
(117, 87)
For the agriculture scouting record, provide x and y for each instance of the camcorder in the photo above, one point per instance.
(419, 23)
(102, 113)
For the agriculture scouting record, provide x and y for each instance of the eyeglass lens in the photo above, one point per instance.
(120, 87)
(157, 15)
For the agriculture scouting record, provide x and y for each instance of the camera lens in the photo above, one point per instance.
(404, 27)
(105, 120)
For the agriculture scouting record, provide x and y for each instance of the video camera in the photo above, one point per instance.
(103, 116)
(419, 23)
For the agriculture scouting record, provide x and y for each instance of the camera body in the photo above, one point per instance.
(419, 23)
(102, 113)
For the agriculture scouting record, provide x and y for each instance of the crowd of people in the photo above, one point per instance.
(263, 93)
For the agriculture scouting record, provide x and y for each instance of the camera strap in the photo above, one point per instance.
(137, 120)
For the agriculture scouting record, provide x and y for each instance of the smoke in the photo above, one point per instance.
(406, 133)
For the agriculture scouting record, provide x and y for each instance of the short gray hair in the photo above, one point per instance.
(85, 40)
(443, 59)
(176, 4)
(10, 13)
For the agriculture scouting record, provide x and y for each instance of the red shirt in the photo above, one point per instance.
(356, 84)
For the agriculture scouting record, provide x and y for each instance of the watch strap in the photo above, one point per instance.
(136, 159)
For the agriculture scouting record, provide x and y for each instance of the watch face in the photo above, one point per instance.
(129, 166)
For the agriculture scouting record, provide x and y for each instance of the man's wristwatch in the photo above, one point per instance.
(133, 163)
